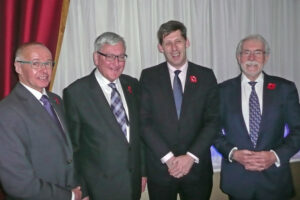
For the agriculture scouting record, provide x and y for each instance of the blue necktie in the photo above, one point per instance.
(46, 104)
(254, 114)
(118, 108)
(177, 92)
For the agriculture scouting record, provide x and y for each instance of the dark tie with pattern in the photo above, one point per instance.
(118, 108)
(254, 114)
(177, 92)
(46, 104)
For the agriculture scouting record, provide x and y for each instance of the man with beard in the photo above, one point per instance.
(255, 107)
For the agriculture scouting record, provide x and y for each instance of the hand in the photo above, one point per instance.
(183, 165)
(144, 183)
(86, 198)
(170, 163)
(77, 193)
(254, 161)
(263, 160)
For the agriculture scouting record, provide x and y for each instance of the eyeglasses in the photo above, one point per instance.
(37, 64)
(112, 58)
(256, 53)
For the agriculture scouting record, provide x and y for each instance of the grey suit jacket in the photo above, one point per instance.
(109, 166)
(35, 157)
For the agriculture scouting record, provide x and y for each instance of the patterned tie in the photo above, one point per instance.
(254, 114)
(46, 104)
(177, 92)
(118, 108)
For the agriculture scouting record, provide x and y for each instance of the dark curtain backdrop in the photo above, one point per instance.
(25, 21)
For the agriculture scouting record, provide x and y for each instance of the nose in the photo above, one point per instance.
(251, 56)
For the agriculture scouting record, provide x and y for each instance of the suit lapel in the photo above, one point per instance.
(40, 116)
(269, 95)
(102, 106)
(166, 91)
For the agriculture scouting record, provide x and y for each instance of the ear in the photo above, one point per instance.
(266, 59)
(96, 58)
(18, 67)
(160, 48)
(187, 43)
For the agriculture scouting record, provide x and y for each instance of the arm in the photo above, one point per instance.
(17, 175)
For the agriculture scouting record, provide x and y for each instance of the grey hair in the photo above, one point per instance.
(253, 37)
(109, 38)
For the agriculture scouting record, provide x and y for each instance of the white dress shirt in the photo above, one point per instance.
(182, 77)
(103, 83)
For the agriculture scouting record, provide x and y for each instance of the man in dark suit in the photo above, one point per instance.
(179, 117)
(102, 111)
(35, 150)
(255, 108)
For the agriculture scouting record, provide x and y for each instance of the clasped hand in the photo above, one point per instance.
(180, 166)
(254, 161)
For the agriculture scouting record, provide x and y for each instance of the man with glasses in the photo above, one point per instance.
(102, 111)
(35, 150)
(255, 108)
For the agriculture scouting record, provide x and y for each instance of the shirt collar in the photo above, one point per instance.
(183, 68)
(259, 79)
(34, 92)
(104, 81)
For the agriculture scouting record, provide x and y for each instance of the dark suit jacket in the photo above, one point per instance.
(107, 163)
(195, 130)
(280, 107)
(35, 157)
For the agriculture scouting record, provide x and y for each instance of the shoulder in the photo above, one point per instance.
(128, 79)
(81, 82)
(154, 69)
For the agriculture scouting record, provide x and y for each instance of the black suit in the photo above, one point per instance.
(280, 107)
(35, 156)
(108, 165)
(194, 132)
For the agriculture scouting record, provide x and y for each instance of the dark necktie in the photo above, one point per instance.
(177, 92)
(46, 104)
(254, 114)
(118, 108)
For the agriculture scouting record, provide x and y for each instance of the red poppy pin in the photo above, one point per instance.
(271, 86)
(129, 89)
(193, 79)
(56, 100)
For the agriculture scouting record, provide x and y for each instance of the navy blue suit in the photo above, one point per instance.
(280, 107)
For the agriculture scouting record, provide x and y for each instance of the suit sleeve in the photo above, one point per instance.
(208, 132)
(292, 118)
(17, 175)
(73, 123)
(151, 136)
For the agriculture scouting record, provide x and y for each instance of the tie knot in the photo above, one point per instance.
(252, 83)
(44, 99)
(112, 85)
(177, 72)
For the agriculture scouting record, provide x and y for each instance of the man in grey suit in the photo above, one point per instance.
(102, 113)
(35, 151)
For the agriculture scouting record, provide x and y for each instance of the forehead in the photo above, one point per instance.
(36, 52)
(253, 44)
(173, 35)
(118, 47)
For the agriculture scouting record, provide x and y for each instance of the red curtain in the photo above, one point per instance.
(25, 21)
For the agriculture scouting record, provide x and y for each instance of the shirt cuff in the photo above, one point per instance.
(277, 163)
(230, 155)
(166, 157)
(73, 196)
(193, 156)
